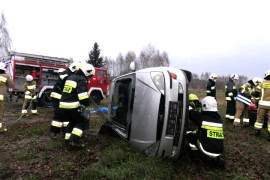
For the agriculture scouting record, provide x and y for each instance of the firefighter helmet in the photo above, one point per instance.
(74, 66)
(234, 77)
(209, 103)
(193, 97)
(3, 66)
(88, 69)
(267, 74)
(29, 78)
(257, 80)
(213, 77)
(61, 70)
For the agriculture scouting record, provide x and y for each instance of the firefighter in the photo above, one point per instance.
(57, 124)
(29, 88)
(194, 104)
(207, 141)
(5, 82)
(74, 101)
(243, 100)
(263, 90)
(255, 96)
(211, 85)
(230, 95)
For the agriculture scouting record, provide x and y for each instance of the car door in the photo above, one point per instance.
(121, 105)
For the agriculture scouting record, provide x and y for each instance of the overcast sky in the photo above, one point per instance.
(222, 37)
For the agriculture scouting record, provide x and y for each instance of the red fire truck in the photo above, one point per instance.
(44, 71)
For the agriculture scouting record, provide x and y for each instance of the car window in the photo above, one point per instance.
(121, 101)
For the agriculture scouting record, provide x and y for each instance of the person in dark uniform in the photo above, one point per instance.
(230, 96)
(211, 85)
(207, 141)
(57, 124)
(74, 102)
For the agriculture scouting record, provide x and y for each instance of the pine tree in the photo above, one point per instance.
(94, 57)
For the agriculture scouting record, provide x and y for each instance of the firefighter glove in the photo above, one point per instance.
(87, 108)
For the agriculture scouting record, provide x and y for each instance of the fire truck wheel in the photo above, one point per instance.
(46, 100)
(96, 97)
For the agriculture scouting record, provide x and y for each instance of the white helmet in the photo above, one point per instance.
(257, 80)
(74, 66)
(88, 69)
(234, 77)
(213, 77)
(3, 66)
(209, 103)
(267, 73)
(29, 78)
(61, 70)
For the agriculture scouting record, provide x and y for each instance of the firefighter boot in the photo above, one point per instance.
(268, 139)
(219, 162)
(257, 133)
(76, 144)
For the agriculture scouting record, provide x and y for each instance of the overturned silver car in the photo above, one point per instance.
(148, 108)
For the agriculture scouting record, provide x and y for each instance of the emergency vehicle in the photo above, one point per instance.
(44, 70)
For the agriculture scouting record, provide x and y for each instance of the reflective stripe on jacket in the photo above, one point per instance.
(230, 90)
(211, 88)
(59, 85)
(75, 92)
(210, 132)
(264, 89)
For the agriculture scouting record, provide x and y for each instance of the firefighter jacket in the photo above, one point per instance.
(29, 88)
(230, 90)
(210, 132)
(264, 90)
(243, 95)
(75, 91)
(211, 88)
(5, 82)
(59, 85)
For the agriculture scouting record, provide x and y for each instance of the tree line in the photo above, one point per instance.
(149, 57)
(199, 82)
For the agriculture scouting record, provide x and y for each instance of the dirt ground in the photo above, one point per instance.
(27, 151)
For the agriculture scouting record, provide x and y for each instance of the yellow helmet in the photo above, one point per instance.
(193, 97)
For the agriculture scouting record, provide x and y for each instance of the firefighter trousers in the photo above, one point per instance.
(57, 121)
(260, 118)
(231, 109)
(75, 126)
(195, 152)
(241, 108)
(26, 104)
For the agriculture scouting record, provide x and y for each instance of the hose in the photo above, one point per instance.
(13, 121)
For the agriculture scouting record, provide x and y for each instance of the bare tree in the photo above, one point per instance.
(150, 57)
(5, 41)
(130, 57)
(119, 63)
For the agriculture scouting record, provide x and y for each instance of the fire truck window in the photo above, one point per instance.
(121, 101)
(101, 73)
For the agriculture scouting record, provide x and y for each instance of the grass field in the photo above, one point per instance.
(26, 152)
